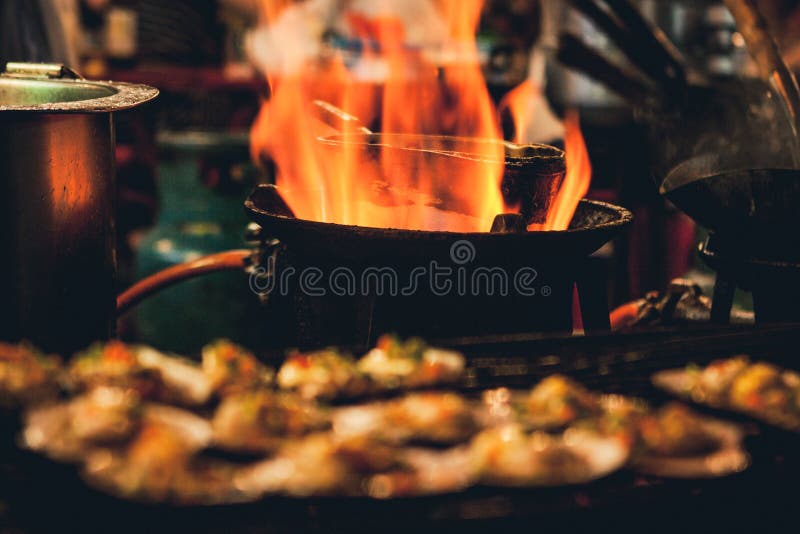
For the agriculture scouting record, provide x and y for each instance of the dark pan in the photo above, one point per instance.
(755, 203)
(595, 224)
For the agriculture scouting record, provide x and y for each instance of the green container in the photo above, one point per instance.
(204, 179)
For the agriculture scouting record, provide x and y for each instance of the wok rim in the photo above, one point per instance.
(675, 181)
(735, 209)
(623, 217)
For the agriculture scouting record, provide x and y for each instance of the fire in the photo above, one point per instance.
(516, 107)
(579, 168)
(578, 179)
(342, 175)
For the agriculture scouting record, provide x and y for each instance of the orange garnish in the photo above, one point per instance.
(116, 351)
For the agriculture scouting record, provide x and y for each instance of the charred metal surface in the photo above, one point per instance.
(551, 262)
(756, 206)
(509, 223)
(595, 224)
(750, 213)
(772, 279)
(532, 178)
(272, 201)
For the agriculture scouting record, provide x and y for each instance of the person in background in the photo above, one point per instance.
(39, 31)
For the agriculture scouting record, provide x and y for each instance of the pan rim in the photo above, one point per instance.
(622, 218)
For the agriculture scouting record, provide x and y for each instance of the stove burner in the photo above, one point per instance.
(767, 274)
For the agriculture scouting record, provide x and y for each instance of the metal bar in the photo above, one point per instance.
(627, 43)
(652, 42)
(575, 54)
(724, 292)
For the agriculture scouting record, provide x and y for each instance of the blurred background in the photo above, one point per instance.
(185, 165)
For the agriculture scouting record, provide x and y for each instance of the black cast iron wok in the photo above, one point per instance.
(752, 204)
(594, 224)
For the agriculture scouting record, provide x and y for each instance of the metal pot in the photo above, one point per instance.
(57, 204)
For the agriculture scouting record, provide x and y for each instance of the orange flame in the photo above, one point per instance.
(430, 185)
(578, 179)
(517, 104)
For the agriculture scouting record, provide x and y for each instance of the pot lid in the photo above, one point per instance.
(50, 88)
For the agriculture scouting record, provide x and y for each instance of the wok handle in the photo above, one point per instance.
(231, 260)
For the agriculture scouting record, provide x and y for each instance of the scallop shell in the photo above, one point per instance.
(510, 457)
(675, 381)
(426, 472)
(183, 378)
(680, 383)
(67, 431)
(729, 457)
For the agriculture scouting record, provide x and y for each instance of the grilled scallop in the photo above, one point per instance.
(425, 472)
(558, 401)
(325, 374)
(184, 381)
(677, 443)
(437, 418)
(160, 464)
(394, 364)
(510, 456)
(315, 465)
(67, 431)
(760, 390)
(708, 385)
(260, 421)
(329, 464)
(554, 403)
(232, 369)
(153, 375)
(113, 364)
(26, 375)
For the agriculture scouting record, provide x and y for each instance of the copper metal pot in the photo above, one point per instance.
(56, 204)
